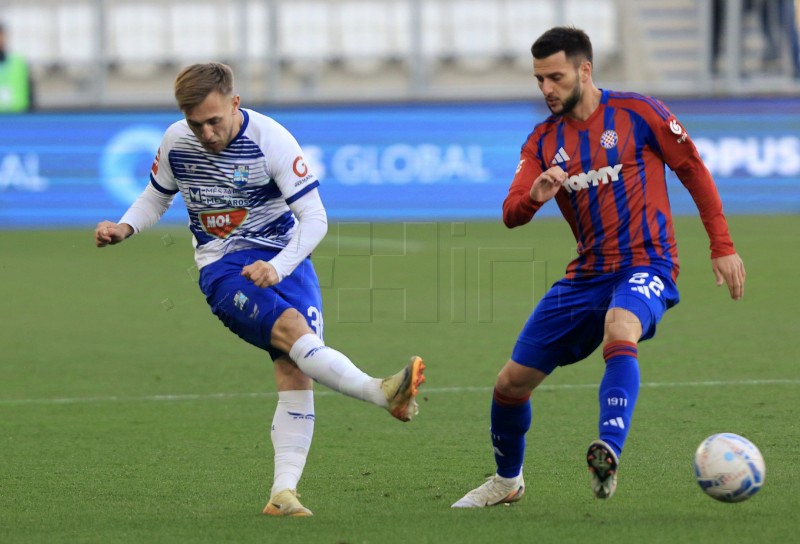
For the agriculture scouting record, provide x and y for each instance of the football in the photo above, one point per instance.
(729, 467)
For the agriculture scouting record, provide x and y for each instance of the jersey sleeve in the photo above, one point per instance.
(680, 154)
(161, 176)
(312, 225)
(518, 208)
(147, 209)
(157, 197)
(287, 165)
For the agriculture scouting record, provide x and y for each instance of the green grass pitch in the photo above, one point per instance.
(128, 413)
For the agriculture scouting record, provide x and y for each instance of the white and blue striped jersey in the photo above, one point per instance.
(237, 199)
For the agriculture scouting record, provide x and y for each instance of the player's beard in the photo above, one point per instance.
(570, 102)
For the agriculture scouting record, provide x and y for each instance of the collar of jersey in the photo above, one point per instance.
(245, 121)
(582, 125)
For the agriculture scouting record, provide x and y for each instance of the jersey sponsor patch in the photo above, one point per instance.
(592, 178)
(678, 130)
(221, 223)
(300, 168)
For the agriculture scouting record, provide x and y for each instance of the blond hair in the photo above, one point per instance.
(194, 83)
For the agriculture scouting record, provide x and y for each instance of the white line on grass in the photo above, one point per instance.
(425, 391)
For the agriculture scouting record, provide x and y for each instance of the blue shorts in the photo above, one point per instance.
(568, 323)
(251, 311)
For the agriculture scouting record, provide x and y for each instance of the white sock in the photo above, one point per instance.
(292, 430)
(333, 369)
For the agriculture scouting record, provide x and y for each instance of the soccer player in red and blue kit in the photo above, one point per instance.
(602, 156)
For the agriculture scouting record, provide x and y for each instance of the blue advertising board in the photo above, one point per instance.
(379, 162)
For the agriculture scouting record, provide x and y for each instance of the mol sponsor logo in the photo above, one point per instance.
(592, 178)
(221, 223)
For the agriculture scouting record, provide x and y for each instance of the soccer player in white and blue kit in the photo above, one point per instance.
(256, 215)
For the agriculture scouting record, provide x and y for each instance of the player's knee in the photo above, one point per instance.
(518, 381)
(621, 324)
(511, 389)
(290, 326)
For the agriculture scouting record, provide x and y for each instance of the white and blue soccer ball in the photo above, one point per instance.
(729, 467)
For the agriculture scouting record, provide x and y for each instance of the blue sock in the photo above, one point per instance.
(511, 419)
(618, 392)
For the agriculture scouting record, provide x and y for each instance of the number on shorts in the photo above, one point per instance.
(316, 320)
(656, 286)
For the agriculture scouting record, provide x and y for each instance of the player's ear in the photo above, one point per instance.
(586, 70)
(236, 101)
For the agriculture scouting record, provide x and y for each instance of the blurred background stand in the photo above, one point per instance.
(125, 53)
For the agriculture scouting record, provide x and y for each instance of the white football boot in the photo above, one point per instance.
(496, 490)
(285, 503)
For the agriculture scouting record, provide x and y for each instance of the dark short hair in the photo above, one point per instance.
(574, 42)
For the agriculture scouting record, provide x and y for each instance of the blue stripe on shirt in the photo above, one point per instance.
(620, 196)
(657, 106)
(302, 191)
(641, 136)
(663, 238)
(594, 201)
(159, 188)
(573, 200)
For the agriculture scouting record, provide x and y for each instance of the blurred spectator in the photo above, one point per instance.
(780, 32)
(777, 23)
(16, 88)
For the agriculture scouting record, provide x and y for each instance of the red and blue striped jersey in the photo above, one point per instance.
(615, 197)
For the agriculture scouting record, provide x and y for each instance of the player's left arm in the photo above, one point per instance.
(730, 271)
(681, 155)
(312, 225)
(299, 186)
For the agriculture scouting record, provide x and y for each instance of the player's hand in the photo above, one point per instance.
(108, 233)
(547, 184)
(730, 270)
(261, 273)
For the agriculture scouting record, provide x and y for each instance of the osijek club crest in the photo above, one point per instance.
(241, 175)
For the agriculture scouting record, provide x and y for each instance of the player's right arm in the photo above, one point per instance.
(148, 208)
(143, 214)
(547, 184)
(530, 189)
(109, 233)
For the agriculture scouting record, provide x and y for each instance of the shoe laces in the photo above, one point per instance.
(494, 486)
